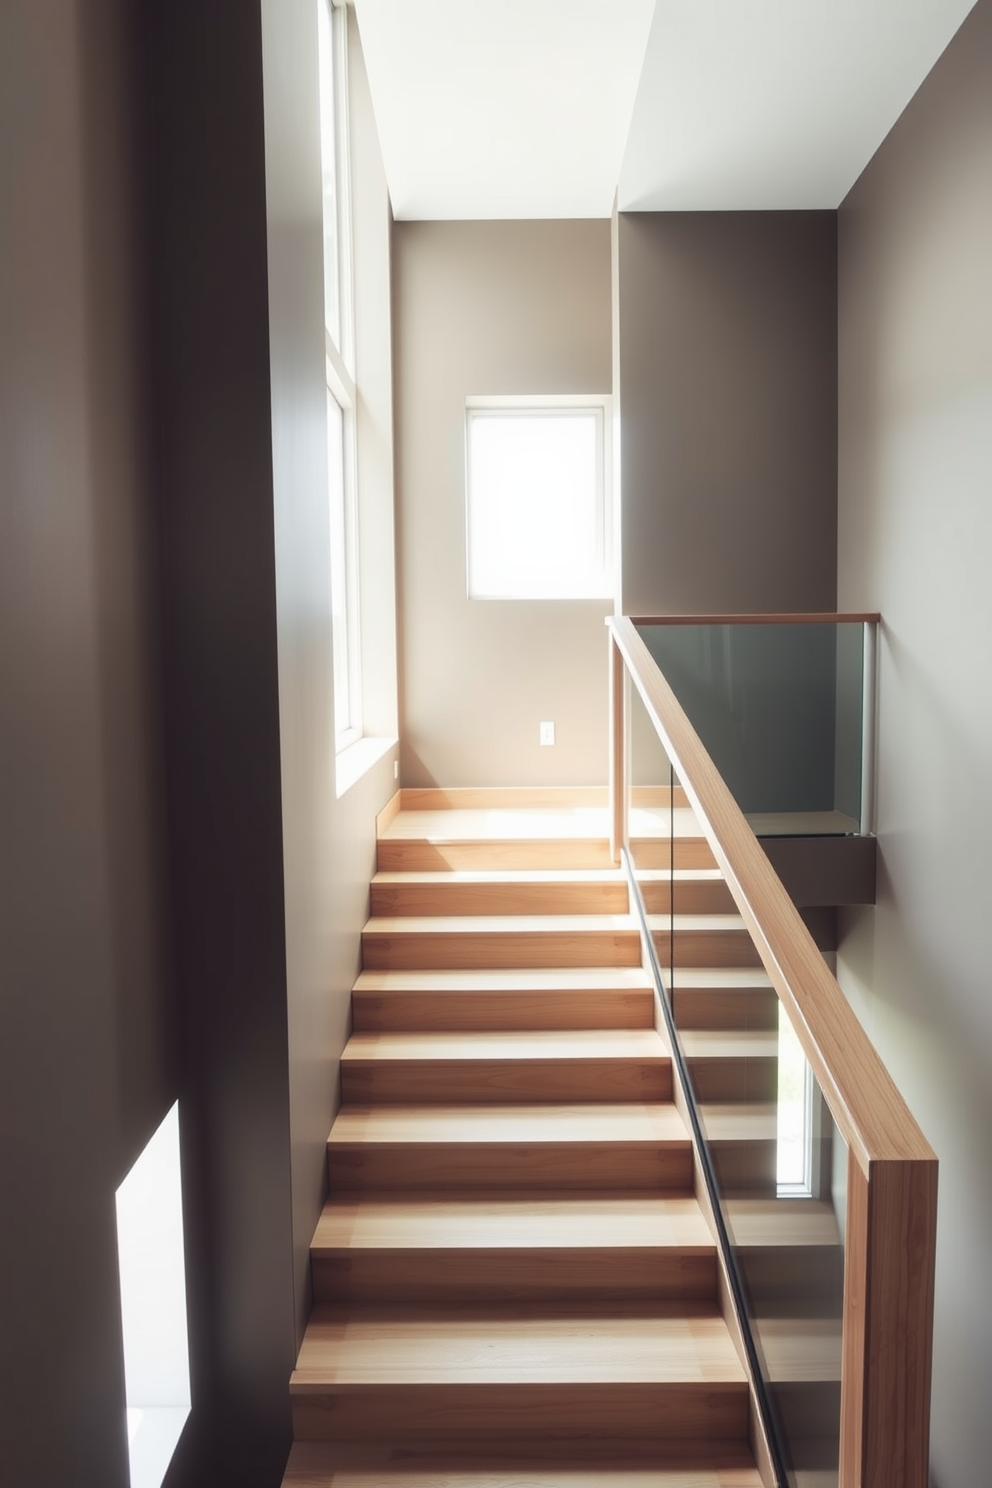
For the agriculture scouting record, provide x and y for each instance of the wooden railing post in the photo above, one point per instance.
(888, 1310)
(617, 746)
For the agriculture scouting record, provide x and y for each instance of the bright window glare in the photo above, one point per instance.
(153, 1305)
(794, 1134)
(536, 516)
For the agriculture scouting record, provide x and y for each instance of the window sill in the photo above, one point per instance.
(357, 760)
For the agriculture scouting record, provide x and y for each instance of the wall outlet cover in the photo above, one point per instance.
(547, 733)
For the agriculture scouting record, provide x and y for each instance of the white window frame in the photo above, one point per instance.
(339, 369)
(515, 405)
(344, 343)
(349, 729)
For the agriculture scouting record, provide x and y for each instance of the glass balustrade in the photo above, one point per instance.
(776, 1166)
(781, 709)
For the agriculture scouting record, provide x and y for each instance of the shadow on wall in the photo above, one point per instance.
(897, 988)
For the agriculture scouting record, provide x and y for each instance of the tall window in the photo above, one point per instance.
(339, 347)
(538, 519)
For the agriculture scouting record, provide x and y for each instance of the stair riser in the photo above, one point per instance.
(546, 1275)
(619, 1412)
(499, 899)
(483, 1081)
(457, 1012)
(719, 948)
(746, 1167)
(655, 852)
(427, 950)
(690, 898)
(417, 856)
(734, 1080)
(809, 1276)
(732, 1009)
(481, 950)
(583, 1463)
(643, 1166)
(809, 1411)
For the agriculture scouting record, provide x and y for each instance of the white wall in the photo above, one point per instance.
(915, 538)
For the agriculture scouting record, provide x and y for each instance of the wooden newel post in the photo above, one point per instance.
(617, 785)
(888, 1324)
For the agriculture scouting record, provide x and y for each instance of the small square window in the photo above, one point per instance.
(538, 518)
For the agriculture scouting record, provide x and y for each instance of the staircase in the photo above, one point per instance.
(514, 1283)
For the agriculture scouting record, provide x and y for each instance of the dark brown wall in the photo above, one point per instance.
(214, 492)
(143, 943)
(87, 1053)
(727, 384)
(915, 533)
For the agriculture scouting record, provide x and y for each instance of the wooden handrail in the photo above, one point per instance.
(870, 1113)
(812, 617)
(892, 1170)
(805, 618)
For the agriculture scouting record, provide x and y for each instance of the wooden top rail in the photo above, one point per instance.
(810, 618)
(871, 1115)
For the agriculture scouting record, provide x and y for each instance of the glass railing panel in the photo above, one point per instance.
(779, 708)
(780, 1168)
(775, 1163)
(655, 815)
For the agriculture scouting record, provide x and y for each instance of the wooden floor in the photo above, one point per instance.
(515, 1286)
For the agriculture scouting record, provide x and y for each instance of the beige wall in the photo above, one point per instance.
(726, 385)
(915, 530)
(491, 307)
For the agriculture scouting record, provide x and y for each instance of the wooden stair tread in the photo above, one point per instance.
(522, 876)
(801, 1350)
(716, 1043)
(492, 818)
(715, 923)
(517, 1345)
(655, 823)
(739, 1121)
(721, 978)
(580, 1044)
(515, 1463)
(790, 1223)
(517, 1220)
(488, 797)
(502, 891)
(494, 824)
(680, 875)
(503, 925)
(507, 978)
(518, 1124)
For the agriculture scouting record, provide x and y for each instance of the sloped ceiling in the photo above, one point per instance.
(550, 108)
(503, 108)
(758, 104)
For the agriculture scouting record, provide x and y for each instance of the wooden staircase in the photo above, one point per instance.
(514, 1282)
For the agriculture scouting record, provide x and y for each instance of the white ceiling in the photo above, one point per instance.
(548, 108)
(762, 104)
(503, 108)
